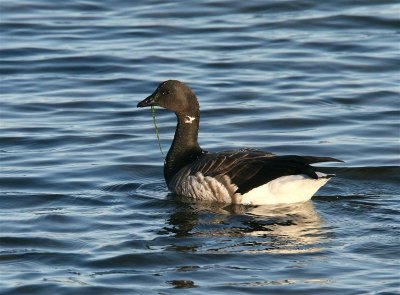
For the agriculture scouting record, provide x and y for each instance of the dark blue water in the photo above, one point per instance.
(83, 204)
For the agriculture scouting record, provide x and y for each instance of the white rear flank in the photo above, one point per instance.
(285, 189)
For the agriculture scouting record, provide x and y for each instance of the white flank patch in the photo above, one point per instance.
(285, 189)
(189, 119)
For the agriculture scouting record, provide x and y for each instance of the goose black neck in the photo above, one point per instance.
(184, 149)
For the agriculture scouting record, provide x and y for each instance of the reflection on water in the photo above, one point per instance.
(181, 284)
(290, 228)
(295, 228)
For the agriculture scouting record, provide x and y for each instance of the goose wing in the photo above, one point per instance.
(250, 168)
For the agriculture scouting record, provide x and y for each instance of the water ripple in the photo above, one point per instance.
(84, 206)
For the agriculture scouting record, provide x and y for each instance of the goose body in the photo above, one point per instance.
(246, 176)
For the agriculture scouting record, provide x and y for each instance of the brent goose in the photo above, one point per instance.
(245, 176)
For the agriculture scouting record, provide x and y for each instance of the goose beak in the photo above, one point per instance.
(147, 102)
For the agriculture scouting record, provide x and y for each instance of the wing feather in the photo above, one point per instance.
(250, 168)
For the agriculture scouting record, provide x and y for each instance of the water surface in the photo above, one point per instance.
(84, 207)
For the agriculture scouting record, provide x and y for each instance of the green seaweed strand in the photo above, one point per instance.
(153, 114)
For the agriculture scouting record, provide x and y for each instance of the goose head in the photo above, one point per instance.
(175, 96)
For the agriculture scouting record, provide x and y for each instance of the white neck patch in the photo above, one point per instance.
(189, 119)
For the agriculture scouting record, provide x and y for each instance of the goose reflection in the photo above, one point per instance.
(293, 228)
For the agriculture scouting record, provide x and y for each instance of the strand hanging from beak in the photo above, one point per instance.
(153, 114)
